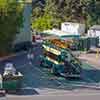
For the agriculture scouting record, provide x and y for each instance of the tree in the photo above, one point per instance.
(82, 11)
(98, 11)
(45, 17)
(42, 23)
(37, 11)
(11, 19)
(94, 11)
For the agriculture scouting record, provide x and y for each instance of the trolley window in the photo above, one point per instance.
(51, 55)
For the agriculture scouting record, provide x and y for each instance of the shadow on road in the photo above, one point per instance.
(37, 77)
(24, 92)
(92, 75)
(40, 77)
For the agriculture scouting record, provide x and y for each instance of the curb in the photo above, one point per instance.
(12, 55)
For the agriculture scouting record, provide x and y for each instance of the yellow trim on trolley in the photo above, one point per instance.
(54, 61)
(52, 50)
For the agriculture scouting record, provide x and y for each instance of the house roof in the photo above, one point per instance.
(95, 27)
(57, 32)
(73, 23)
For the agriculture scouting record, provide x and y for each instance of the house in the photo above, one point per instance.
(60, 34)
(73, 28)
(55, 32)
(94, 31)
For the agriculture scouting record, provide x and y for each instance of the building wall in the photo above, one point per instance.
(73, 28)
(94, 33)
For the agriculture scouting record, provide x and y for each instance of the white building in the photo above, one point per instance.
(73, 28)
(94, 31)
(55, 32)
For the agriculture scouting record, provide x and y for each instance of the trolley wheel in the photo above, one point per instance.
(42, 64)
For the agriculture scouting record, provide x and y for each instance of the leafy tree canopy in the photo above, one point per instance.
(83, 11)
(11, 19)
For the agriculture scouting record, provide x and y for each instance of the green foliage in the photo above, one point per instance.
(42, 23)
(83, 11)
(45, 17)
(11, 19)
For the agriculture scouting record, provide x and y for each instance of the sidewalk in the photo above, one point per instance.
(93, 59)
(11, 55)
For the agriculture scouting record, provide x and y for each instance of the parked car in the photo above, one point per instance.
(38, 38)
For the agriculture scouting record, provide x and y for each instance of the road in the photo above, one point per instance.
(95, 96)
(39, 81)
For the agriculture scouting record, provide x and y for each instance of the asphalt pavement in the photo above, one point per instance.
(80, 96)
(39, 81)
(18, 60)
